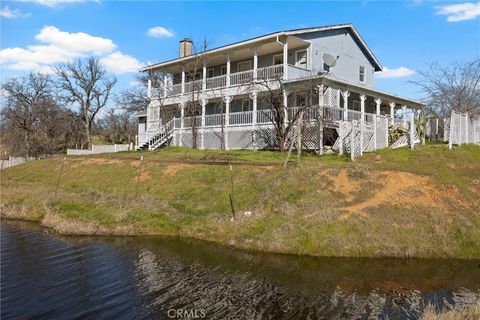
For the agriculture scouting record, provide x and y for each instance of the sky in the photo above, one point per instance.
(406, 36)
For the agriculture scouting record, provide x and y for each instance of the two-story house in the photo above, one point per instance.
(225, 93)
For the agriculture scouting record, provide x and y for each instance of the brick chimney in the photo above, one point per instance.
(185, 47)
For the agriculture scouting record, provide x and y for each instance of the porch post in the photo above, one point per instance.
(182, 122)
(204, 76)
(412, 131)
(165, 83)
(378, 103)
(321, 88)
(285, 59)
(362, 120)
(404, 116)
(253, 96)
(339, 92)
(345, 95)
(392, 112)
(255, 63)
(285, 106)
(227, 100)
(183, 80)
(228, 72)
(204, 103)
(149, 88)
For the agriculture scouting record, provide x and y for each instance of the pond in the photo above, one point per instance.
(45, 276)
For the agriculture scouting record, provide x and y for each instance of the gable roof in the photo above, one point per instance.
(292, 32)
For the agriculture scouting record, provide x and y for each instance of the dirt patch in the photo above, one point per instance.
(344, 184)
(452, 166)
(172, 169)
(397, 188)
(101, 161)
(144, 176)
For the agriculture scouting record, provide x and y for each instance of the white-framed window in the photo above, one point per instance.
(361, 74)
(244, 65)
(300, 100)
(356, 105)
(278, 59)
(223, 70)
(211, 72)
(246, 105)
(301, 58)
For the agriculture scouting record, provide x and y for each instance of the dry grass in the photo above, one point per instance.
(468, 313)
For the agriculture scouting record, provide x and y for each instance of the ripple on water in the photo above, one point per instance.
(45, 276)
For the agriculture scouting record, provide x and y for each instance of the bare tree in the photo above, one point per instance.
(86, 84)
(27, 100)
(453, 87)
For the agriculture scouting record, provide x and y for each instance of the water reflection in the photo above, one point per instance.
(45, 276)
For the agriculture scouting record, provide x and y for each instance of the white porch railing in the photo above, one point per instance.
(193, 86)
(216, 82)
(269, 73)
(239, 118)
(243, 77)
(214, 120)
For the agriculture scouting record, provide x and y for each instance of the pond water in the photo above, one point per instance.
(44, 276)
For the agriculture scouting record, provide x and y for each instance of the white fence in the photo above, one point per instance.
(97, 149)
(12, 161)
(462, 128)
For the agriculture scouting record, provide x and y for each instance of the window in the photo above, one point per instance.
(244, 66)
(301, 59)
(211, 72)
(362, 74)
(246, 105)
(300, 100)
(356, 105)
(223, 70)
(278, 59)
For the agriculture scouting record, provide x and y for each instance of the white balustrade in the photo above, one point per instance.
(243, 77)
(239, 118)
(216, 82)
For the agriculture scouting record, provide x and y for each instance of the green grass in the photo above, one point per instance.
(297, 210)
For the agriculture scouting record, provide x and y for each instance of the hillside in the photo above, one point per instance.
(403, 202)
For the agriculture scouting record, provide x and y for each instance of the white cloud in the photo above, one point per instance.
(399, 72)
(460, 11)
(160, 32)
(8, 13)
(60, 46)
(54, 3)
(118, 62)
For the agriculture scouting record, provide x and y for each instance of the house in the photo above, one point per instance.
(222, 98)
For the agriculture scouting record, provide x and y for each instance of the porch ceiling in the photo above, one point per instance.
(264, 47)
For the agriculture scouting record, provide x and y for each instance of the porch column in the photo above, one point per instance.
(227, 100)
(321, 89)
(183, 80)
(285, 59)
(149, 88)
(362, 120)
(253, 96)
(255, 63)
(204, 103)
(204, 76)
(182, 122)
(165, 84)
(345, 95)
(285, 106)
(339, 92)
(228, 72)
(378, 103)
(404, 116)
(392, 112)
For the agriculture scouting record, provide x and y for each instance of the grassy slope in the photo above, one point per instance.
(390, 203)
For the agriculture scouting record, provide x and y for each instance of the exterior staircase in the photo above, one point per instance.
(159, 138)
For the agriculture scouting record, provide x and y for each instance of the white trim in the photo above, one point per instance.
(243, 62)
(277, 55)
(223, 67)
(249, 105)
(306, 57)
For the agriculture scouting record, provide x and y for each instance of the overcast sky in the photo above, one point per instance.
(404, 35)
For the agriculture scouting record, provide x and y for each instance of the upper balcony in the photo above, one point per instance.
(275, 58)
